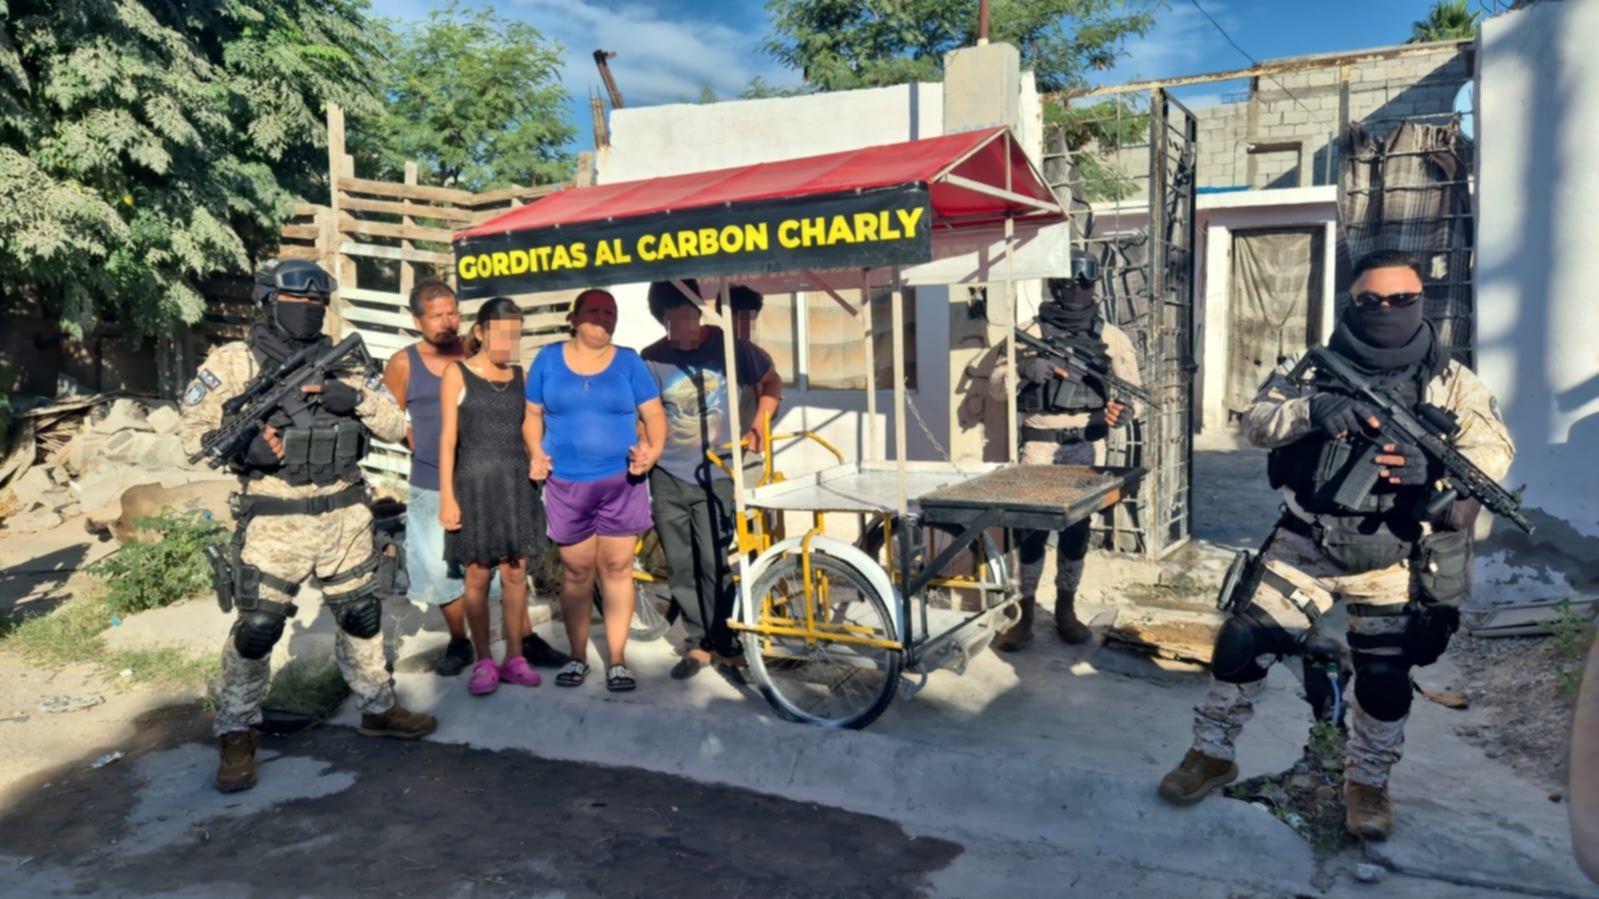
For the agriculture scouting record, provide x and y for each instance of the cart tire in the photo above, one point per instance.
(773, 676)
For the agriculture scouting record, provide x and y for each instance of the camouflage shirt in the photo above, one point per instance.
(1123, 364)
(226, 372)
(1280, 415)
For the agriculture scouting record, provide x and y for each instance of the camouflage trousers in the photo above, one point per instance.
(1374, 746)
(1068, 571)
(294, 547)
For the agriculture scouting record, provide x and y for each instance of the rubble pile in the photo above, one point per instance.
(79, 456)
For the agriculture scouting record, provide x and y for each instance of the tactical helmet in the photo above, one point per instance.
(298, 277)
(1085, 274)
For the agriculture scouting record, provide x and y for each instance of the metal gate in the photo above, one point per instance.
(1143, 235)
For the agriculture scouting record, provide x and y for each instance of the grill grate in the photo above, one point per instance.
(1041, 487)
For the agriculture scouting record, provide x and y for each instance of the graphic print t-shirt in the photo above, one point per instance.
(695, 393)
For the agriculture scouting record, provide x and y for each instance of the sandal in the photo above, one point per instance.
(572, 675)
(517, 672)
(485, 678)
(619, 680)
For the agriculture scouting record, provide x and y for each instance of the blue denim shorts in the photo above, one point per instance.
(434, 582)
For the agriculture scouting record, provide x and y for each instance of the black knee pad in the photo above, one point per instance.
(1382, 685)
(255, 633)
(361, 618)
(1032, 547)
(1239, 645)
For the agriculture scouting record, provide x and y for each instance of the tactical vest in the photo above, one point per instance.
(1061, 396)
(319, 447)
(1315, 467)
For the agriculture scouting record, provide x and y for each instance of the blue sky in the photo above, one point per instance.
(668, 49)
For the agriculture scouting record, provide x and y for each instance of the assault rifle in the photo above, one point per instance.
(1077, 368)
(244, 416)
(1428, 428)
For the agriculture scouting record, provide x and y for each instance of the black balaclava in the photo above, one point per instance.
(299, 321)
(1386, 327)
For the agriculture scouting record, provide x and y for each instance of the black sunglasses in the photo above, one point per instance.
(1370, 300)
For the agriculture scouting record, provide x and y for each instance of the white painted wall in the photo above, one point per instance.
(659, 141)
(1537, 100)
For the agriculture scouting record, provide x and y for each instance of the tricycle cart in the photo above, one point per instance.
(830, 627)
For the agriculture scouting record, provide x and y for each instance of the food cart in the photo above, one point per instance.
(834, 630)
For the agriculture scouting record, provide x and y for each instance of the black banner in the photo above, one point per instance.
(856, 230)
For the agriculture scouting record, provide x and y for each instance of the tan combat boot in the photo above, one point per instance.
(237, 769)
(1196, 777)
(1020, 633)
(1368, 813)
(1066, 624)
(398, 722)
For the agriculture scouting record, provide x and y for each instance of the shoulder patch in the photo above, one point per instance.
(211, 381)
(375, 382)
(1493, 406)
(194, 394)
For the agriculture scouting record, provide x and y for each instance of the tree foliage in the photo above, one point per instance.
(1448, 20)
(146, 144)
(845, 44)
(476, 100)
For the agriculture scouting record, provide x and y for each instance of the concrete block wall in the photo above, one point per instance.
(1303, 107)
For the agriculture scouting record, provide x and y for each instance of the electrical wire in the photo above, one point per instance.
(1315, 114)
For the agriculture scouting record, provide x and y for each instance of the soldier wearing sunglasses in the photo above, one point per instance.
(1399, 569)
(301, 510)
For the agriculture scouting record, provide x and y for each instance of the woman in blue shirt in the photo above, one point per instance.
(585, 398)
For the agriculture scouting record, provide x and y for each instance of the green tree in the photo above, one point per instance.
(146, 144)
(845, 44)
(1448, 20)
(476, 100)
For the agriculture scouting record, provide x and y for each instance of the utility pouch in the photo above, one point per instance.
(221, 575)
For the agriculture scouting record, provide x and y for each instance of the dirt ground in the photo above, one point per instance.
(1521, 718)
(440, 820)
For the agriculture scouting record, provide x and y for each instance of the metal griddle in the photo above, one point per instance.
(1043, 497)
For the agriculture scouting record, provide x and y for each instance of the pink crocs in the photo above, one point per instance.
(485, 678)
(517, 671)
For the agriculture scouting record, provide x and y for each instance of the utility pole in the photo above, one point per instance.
(982, 23)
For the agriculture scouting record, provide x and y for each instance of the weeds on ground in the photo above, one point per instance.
(309, 687)
(150, 575)
(1571, 635)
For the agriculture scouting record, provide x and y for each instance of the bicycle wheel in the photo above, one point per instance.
(955, 588)
(823, 680)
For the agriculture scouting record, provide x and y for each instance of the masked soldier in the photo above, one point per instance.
(1065, 422)
(301, 511)
(1399, 568)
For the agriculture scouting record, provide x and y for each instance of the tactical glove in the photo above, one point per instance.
(1338, 415)
(339, 397)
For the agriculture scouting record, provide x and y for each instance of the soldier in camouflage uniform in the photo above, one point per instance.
(1398, 569)
(1065, 422)
(301, 511)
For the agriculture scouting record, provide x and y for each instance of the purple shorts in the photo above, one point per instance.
(617, 506)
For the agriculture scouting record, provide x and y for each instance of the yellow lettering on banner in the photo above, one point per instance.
(885, 230)
(621, 255)
(543, 254)
(708, 242)
(865, 226)
(688, 243)
(813, 231)
(668, 248)
(731, 239)
(562, 260)
(602, 254)
(646, 248)
(485, 266)
(580, 255)
(785, 234)
(467, 269)
(909, 218)
(756, 238)
(840, 231)
(518, 261)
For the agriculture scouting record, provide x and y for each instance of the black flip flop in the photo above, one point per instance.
(619, 679)
(572, 675)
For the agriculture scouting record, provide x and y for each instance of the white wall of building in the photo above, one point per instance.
(1537, 331)
(660, 141)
